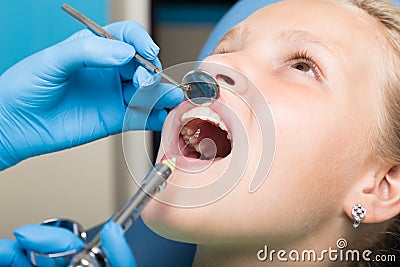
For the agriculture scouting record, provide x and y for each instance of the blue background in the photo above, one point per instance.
(28, 26)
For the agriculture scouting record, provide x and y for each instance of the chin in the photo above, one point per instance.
(202, 225)
(173, 224)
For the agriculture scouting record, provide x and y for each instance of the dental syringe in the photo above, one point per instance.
(154, 182)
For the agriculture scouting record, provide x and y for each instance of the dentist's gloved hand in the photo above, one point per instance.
(50, 239)
(77, 91)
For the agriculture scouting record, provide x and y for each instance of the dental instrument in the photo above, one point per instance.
(199, 87)
(58, 258)
(92, 255)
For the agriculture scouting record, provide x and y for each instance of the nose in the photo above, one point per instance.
(226, 73)
(222, 77)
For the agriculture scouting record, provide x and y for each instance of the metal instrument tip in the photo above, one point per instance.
(170, 162)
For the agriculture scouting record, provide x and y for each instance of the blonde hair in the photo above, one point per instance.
(386, 133)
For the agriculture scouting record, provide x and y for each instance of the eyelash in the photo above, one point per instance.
(220, 50)
(305, 57)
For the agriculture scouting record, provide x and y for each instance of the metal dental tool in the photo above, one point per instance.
(154, 182)
(91, 255)
(199, 87)
(58, 258)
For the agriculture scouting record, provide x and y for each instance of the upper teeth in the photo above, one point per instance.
(204, 113)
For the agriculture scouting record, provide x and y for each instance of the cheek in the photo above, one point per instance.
(315, 146)
(312, 134)
(320, 140)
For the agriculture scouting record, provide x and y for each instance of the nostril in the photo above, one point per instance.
(226, 79)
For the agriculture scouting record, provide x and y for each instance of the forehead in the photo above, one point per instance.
(339, 25)
(354, 37)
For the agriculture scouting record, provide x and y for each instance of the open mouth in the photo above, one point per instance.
(204, 135)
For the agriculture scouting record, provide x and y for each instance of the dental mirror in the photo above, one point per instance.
(200, 87)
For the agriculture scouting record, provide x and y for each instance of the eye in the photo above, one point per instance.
(220, 49)
(303, 62)
(304, 67)
(226, 47)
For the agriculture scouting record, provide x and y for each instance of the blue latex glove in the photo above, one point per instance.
(50, 239)
(77, 91)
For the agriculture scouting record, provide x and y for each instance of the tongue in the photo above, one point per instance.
(207, 149)
(213, 140)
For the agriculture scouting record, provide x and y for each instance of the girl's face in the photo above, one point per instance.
(317, 63)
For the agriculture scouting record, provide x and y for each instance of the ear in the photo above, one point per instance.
(379, 193)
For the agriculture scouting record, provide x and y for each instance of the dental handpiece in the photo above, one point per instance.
(92, 255)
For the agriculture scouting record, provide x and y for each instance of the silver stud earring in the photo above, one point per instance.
(359, 212)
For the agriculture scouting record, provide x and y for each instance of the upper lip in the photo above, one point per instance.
(216, 107)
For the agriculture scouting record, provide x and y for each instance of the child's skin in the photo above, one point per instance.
(324, 105)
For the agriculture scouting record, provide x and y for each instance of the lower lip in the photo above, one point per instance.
(191, 164)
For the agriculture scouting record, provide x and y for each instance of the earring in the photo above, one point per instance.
(359, 212)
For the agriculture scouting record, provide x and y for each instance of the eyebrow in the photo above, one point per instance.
(302, 36)
(239, 32)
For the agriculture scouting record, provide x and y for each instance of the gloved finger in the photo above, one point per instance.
(64, 58)
(142, 77)
(144, 119)
(47, 239)
(130, 32)
(128, 71)
(156, 62)
(133, 33)
(11, 254)
(154, 95)
(115, 247)
(79, 34)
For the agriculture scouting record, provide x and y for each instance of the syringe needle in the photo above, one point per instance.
(98, 30)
